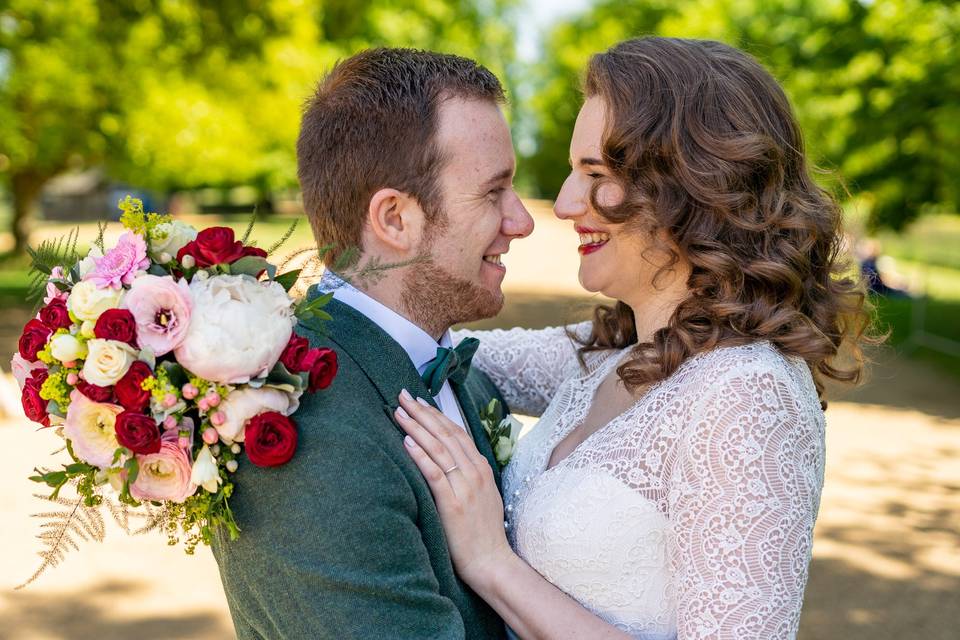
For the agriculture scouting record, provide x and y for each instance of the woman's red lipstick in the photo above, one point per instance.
(585, 249)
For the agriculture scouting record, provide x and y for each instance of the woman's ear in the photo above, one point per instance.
(395, 220)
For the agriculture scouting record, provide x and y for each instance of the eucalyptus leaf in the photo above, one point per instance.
(288, 279)
(250, 266)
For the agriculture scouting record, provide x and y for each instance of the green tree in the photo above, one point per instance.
(196, 92)
(874, 85)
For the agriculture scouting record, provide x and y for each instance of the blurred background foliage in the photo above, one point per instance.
(195, 104)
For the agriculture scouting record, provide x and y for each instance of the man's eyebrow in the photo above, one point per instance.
(505, 174)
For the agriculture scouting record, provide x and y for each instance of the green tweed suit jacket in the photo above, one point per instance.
(345, 541)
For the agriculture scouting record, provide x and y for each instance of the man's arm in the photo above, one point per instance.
(330, 548)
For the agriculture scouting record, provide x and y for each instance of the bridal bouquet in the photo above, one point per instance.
(164, 363)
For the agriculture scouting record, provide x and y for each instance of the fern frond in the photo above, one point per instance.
(249, 230)
(98, 241)
(62, 528)
(60, 252)
(151, 517)
(284, 238)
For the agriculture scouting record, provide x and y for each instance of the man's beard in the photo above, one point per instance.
(435, 300)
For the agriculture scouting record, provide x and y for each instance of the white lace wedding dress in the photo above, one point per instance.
(691, 514)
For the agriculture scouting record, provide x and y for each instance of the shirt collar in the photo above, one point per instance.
(419, 345)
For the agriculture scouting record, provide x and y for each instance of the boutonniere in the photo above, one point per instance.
(502, 430)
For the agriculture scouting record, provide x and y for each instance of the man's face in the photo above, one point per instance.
(461, 281)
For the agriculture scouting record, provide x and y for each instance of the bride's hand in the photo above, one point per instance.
(463, 487)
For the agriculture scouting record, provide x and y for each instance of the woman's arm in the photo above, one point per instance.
(471, 510)
(526, 365)
(744, 496)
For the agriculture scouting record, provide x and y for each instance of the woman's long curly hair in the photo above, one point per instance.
(704, 144)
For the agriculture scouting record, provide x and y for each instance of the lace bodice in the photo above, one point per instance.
(689, 515)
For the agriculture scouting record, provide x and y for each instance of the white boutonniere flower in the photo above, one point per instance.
(502, 430)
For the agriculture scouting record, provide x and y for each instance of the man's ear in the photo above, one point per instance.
(395, 219)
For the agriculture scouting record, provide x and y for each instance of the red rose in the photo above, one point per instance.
(130, 394)
(322, 365)
(138, 432)
(95, 392)
(214, 245)
(117, 324)
(33, 339)
(294, 353)
(270, 439)
(55, 315)
(254, 251)
(34, 406)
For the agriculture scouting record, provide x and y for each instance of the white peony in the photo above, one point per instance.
(107, 361)
(169, 238)
(87, 302)
(238, 328)
(242, 404)
(87, 264)
(66, 348)
(205, 473)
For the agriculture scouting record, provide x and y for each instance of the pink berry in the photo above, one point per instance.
(169, 400)
(218, 418)
(72, 379)
(169, 423)
(212, 398)
(70, 365)
(189, 391)
(210, 435)
(203, 404)
(184, 442)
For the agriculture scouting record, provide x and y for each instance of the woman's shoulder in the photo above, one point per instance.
(756, 364)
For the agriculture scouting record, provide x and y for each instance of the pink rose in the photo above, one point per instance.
(53, 291)
(164, 475)
(119, 266)
(91, 428)
(21, 368)
(161, 307)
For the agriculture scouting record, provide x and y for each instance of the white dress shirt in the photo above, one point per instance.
(419, 345)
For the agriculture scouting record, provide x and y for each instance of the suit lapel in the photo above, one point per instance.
(469, 405)
(389, 369)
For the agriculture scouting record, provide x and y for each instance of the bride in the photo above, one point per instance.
(671, 486)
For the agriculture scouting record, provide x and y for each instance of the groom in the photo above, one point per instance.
(406, 155)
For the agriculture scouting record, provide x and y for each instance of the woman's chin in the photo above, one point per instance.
(589, 282)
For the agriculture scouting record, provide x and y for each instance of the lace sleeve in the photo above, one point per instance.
(743, 501)
(527, 365)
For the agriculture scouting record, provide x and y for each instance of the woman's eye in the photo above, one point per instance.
(594, 176)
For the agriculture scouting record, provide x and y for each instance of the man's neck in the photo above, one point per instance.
(388, 292)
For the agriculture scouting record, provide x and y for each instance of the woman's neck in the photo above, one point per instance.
(653, 307)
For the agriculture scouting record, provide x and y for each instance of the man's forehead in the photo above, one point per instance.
(474, 133)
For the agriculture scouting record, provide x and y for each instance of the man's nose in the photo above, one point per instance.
(517, 222)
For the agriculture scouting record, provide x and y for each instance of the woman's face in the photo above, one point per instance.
(611, 255)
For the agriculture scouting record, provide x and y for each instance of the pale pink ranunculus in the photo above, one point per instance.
(53, 292)
(90, 428)
(21, 368)
(119, 266)
(164, 475)
(161, 307)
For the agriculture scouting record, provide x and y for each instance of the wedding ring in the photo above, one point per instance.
(450, 469)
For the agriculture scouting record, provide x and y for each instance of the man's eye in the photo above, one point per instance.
(493, 194)
(594, 176)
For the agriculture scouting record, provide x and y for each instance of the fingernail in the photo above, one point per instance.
(407, 440)
(402, 413)
(405, 394)
(423, 402)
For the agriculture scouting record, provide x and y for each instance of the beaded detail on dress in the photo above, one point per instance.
(690, 514)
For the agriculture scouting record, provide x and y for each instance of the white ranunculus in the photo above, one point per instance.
(87, 302)
(169, 238)
(88, 263)
(243, 404)
(238, 328)
(204, 473)
(503, 449)
(66, 348)
(107, 361)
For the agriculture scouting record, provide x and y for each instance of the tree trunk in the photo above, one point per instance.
(25, 188)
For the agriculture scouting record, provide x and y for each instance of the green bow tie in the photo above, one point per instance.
(453, 364)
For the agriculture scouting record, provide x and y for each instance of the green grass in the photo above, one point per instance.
(940, 318)
(933, 240)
